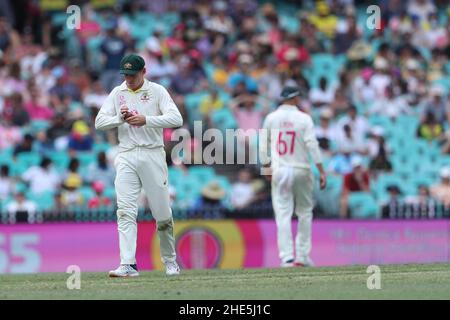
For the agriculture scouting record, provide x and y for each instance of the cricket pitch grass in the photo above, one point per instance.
(431, 281)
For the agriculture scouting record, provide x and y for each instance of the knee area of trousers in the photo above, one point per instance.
(164, 225)
(124, 215)
(302, 215)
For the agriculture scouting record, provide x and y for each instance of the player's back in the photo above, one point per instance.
(292, 137)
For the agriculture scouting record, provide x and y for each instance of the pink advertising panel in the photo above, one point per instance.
(220, 244)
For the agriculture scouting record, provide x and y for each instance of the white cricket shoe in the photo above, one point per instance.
(172, 268)
(287, 264)
(304, 262)
(124, 270)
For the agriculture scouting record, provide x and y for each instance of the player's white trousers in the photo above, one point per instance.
(135, 169)
(292, 191)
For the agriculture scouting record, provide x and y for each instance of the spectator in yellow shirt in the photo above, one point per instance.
(323, 20)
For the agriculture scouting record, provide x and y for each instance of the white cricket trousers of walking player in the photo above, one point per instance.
(135, 169)
(292, 191)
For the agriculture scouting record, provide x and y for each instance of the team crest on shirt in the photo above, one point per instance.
(145, 97)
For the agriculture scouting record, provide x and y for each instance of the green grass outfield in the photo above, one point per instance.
(397, 282)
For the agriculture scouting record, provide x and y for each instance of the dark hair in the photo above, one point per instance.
(4, 170)
(45, 162)
(74, 164)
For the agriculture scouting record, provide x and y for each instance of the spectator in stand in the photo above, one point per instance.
(341, 162)
(441, 191)
(346, 139)
(44, 146)
(325, 132)
(25, 146)
(95, 96)
(210, 204)
(70, 195)
(34, 109)
(323, 20)
(113, 49)
(210, 103)
(42, 178)
(356, 181)
(80, 139)
(243, 74)
(99, 200)
(437, 106)
(358, 124)
(59, 131)
(363, 90)
(189, 78)
(429, 129)
(101, 171)
(21, 210)
(390, 208)
(347, 33)
(323, 95)
(16, 111)
(7, 185)
(391, 105)
(11, 135)
(242, 193)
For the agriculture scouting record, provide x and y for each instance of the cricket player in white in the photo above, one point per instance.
(140, 109)
(291, 139)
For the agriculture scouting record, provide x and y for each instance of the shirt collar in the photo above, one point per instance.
(288, 106)
(145, 87)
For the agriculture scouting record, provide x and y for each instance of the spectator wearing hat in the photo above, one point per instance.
(356, 181)
(71, 196)
(80, 138)
(210, 204)
(441, 191)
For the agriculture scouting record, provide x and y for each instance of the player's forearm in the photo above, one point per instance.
(105, 122)
(169, 120)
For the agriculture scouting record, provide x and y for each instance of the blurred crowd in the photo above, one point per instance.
(238, 54)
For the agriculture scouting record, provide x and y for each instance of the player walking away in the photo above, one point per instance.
(140, 109)
(292, 178)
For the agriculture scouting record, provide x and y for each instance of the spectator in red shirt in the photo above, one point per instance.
(355, 181)
(99, 201)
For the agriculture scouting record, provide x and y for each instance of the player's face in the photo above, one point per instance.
(135, 81)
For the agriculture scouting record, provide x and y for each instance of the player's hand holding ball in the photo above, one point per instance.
(136, 120)
(125, 112)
